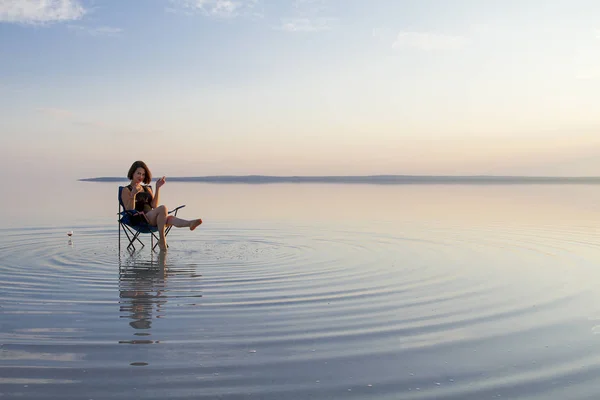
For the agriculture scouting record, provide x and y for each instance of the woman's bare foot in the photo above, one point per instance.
(163, 246)
(195, 224)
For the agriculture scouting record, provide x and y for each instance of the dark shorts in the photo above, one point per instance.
(138, 218)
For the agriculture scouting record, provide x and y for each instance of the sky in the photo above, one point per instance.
(300, 87)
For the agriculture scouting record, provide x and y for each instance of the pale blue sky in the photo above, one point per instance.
(301, 87)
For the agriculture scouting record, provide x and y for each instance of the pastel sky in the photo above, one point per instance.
(300, 87)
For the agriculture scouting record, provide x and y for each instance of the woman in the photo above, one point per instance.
(136, 196)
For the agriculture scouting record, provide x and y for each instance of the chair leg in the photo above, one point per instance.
(132, 237)
(131, 241)
(127, 233)
(136, 237)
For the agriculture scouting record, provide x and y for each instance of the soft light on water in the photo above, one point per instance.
(306, 291)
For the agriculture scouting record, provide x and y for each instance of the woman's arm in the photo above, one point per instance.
(156, 196)
(128, 198)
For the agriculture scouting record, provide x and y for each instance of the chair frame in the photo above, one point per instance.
(132, 232)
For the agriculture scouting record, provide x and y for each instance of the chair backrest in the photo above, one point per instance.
(124, 217)
(121, 205)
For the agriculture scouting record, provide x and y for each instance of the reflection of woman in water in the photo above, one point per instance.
(136, 196)
(144, 294)
(141, 290)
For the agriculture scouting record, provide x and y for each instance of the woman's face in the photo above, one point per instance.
(139, 175)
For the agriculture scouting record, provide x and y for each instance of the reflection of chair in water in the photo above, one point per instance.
(143, 290)
(141, 287)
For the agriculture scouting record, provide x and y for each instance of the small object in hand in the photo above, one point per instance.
(70, 233)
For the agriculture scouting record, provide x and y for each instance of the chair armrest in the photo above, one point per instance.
(175, 209)
(130, 212)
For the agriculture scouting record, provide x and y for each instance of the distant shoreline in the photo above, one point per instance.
(372, 179)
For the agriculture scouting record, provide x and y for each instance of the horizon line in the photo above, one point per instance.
(366, 179)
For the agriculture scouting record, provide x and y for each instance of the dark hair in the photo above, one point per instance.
(140, 164)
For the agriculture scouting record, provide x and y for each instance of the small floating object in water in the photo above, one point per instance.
(70, 233)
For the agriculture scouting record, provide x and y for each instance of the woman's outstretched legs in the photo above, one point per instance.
(182, 223)
(159, 217)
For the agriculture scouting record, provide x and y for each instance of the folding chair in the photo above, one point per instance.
(133, 230)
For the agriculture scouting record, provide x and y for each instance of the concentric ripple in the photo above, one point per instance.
(275, 311)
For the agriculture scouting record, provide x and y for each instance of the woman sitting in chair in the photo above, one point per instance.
(136, 196)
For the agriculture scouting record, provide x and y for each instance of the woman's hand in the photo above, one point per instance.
(160, 182)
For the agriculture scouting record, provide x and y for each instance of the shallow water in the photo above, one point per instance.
(307, 291)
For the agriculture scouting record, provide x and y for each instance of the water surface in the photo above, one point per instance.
(306, 291)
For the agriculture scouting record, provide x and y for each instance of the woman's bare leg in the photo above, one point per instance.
(161, 221)
(182, 223)
(158, 218)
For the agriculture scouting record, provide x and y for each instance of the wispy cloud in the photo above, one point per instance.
(428, 41)
(57, 113)
(215, 8)
(119, 130)
(383, 34)
(96, 31)
(308, 16)
(40, 11)
(306, 24)
(589, 62)
(588, 74)
(312, 6)
(70, 117)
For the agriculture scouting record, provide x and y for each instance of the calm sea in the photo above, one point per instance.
(305, 291)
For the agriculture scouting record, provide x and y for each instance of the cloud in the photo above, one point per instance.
(308, 16)
(96, 31)
(40, 11)
(383, 34)
(215, 8)
(428, 41)
(312, 6)
(597, 32)
(306, 24)
(118, 130)
(588, 74)
(58, 113)
(69, 117)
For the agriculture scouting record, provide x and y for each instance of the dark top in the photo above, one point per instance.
(143, 200)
